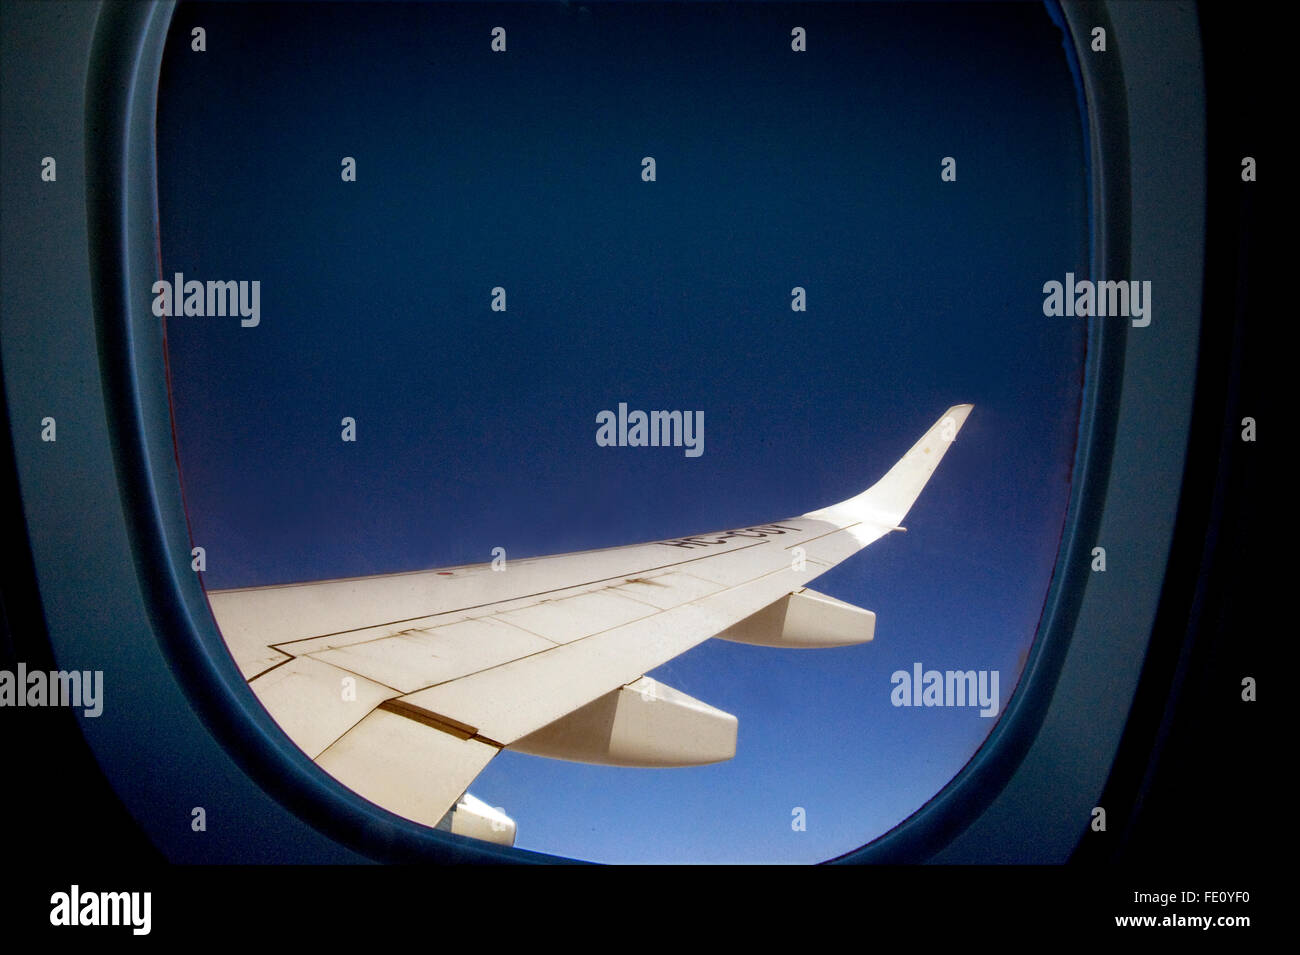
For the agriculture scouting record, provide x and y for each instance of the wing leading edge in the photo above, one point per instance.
(404, 686)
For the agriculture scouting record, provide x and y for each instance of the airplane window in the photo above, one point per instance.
(464, 288)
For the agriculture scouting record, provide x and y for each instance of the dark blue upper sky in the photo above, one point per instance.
(476, 428)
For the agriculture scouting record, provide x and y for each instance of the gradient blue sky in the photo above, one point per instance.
(476, 429)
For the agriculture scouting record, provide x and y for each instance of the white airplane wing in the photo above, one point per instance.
(404, 686)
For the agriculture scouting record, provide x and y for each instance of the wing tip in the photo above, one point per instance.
(888, 500)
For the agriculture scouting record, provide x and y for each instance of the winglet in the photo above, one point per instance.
(887, 501)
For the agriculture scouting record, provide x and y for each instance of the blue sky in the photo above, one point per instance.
(476, 429)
